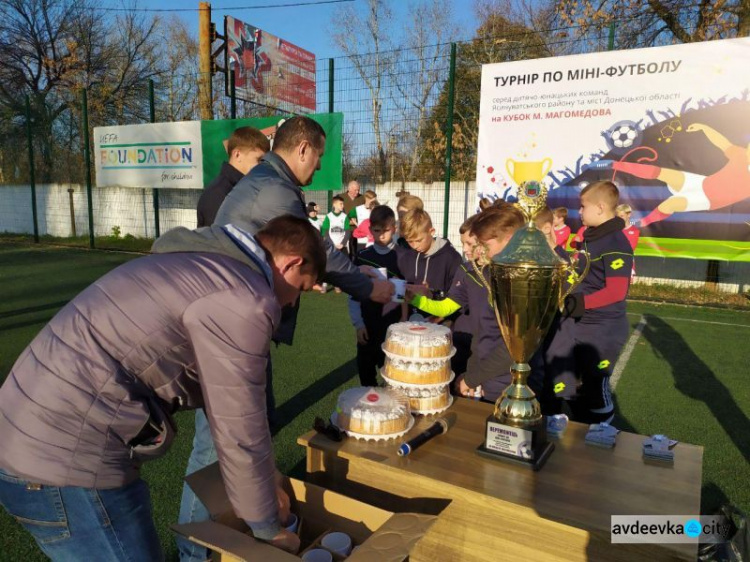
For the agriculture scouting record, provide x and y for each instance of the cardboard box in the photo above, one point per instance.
(382, 536)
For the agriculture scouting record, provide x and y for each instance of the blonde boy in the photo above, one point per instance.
(429, 261)
(595, 327)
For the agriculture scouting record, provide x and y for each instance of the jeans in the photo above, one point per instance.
(203, 454)
(191, 508)
(70, 524)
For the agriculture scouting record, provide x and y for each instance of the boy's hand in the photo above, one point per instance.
(286, 540)
(369, 271)
(362, 336)
(574, 306)
(382, 291)
(463, 388)
(416, 290)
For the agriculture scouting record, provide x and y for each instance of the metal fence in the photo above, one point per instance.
(410, 124)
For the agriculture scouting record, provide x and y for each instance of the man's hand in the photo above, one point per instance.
(382, 291)
(369, 271)
(286, 540)
(282, 498)
(362, 336)
(416, 290)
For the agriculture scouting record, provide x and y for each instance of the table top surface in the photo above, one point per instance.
(580, 484)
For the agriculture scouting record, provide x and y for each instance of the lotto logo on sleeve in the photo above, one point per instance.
(669, 529)
(617, 264)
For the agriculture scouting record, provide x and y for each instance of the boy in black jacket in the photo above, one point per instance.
(370, 319)
(430, 262)
(595, 328)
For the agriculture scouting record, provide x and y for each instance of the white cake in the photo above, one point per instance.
(373, 411)
(418, 339)
(417, 371)
(427, 399)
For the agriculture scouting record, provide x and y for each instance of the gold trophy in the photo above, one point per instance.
(526, 287)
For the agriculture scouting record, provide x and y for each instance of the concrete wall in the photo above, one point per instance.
(131, 210)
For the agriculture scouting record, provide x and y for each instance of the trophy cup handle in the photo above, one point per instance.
(510, 166)
(546, 167)
(574, 278)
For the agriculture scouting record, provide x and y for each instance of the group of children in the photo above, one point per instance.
(571, 370)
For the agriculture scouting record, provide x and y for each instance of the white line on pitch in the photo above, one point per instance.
(693, 320)
(627, 352)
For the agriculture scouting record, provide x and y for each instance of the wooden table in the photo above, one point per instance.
(491, 510)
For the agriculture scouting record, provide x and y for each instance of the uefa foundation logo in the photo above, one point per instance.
(669, 529)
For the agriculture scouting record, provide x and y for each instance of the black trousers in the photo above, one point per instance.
(580, 362)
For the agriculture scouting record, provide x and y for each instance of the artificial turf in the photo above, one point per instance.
(686, 378)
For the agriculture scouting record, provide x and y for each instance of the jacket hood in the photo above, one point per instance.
(438, 245)
(440, 253)
(226, 240)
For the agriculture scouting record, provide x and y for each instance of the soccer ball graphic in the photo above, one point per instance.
(622, 136)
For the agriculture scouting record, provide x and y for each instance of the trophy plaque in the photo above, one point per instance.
(526, 286)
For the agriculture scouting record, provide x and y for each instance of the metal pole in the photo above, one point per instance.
(611, 42)
(87, 162)
(32, 178)
(330, 110)
(205, 95)
(154, 190)
(449, 138)
(72, 212)
(232, 95)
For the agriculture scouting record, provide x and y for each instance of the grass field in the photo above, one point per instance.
(686, 376)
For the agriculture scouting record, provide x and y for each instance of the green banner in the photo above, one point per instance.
(214, 133)
(727, 250)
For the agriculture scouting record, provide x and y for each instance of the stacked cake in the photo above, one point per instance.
(417, 362)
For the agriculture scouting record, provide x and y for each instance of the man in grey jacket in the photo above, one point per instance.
(92, 396)
(272, 188)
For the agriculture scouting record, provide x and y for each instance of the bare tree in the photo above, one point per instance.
(177, 90)
(356, 33)
(655, 22)
(424, 66)
(498, 39)
(51, 49)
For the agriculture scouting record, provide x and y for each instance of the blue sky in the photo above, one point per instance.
(307, 27)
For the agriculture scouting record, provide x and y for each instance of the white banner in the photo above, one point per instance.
(670, 126)
(149, 155)
(546, 119)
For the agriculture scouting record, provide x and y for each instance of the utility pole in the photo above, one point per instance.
(205, 70)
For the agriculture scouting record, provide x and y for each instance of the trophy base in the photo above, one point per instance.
(534, 464)
(523, 446)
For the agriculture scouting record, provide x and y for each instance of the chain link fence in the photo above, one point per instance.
(399, 135)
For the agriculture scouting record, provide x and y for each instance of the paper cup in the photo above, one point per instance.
(317, 555)
(338, 543)
(400, 286)
(293, 524)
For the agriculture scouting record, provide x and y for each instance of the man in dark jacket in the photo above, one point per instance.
(245, 148)
(92, 396)
(272, 189)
